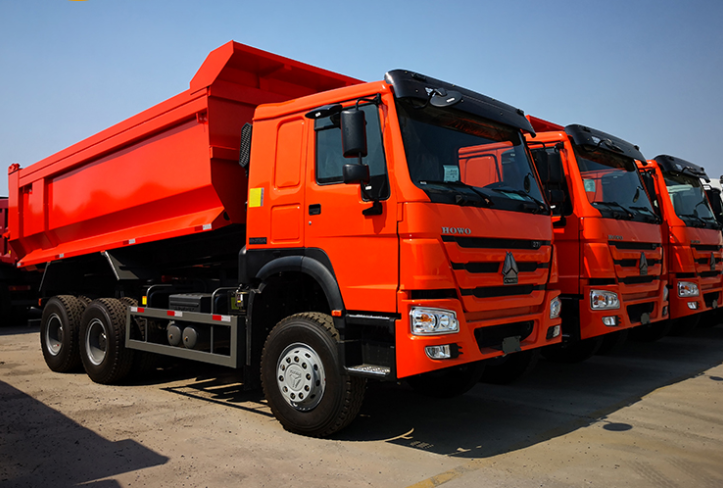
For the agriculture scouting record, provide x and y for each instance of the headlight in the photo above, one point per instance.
(555, 307)
(603, 300)
(687, 289)
(433, 321)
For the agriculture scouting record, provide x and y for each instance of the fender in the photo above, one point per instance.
(309, 264)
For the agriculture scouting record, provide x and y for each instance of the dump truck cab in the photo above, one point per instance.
(445, 240)
(606, 232)
(693, 245)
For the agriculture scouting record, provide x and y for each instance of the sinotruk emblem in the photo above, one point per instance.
(509, 270)
(643, 265)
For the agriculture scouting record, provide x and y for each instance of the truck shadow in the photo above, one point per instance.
(41, 447)
(554, 400)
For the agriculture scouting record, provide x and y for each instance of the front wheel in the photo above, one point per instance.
(303, 379)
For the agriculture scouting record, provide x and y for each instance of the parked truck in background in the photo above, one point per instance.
(308, 228)
(18, 289)
(607, 234)
(693, 244)
(714, 197)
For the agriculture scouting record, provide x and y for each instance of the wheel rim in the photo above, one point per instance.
(96, 341)
(300, 377)
(54, 334)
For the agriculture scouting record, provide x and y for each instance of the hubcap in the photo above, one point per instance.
(96, 341)
(300, 376)
(54, 334)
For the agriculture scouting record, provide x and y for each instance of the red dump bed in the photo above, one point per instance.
(169, 171)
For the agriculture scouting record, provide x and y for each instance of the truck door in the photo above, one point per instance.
(363, 249)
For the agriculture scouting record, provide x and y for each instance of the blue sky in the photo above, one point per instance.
(650, 72)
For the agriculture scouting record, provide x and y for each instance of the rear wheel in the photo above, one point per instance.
(574, 352)
(102, 339)
(448, 382)
(302, 376)
(505, 370)
(59, 333)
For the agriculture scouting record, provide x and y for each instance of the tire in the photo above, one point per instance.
(102, 341)
(613, 342)
(651, 332)
(303, 379)
(575, 352)
(59, 327)
(510, 368)
(448, 382)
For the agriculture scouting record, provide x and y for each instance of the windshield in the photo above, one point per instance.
(613, 185)
(689, 200)
(461, 159)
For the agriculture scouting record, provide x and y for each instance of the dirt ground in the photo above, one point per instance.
(649, 416)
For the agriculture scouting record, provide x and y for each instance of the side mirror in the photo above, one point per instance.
(353, 133)
(556, 197)
(355, 173)
(549, 166)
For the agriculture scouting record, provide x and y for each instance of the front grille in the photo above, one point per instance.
(637, 246)
(706, 247)
(494, 267)
(493, 243)
(492, 337)
(500, 291)
(635, 312)
(637, 280)
(434, 294)
(478, 267)
(709, 274)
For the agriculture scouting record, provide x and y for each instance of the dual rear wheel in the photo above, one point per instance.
(77, 331)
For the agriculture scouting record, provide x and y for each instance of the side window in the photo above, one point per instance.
(329, 158)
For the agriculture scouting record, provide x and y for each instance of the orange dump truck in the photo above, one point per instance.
(607, 234)
(693, 242)
(311, 229)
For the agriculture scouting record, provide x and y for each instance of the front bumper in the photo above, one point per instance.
(635, 309)
(710, 298)
(477, 339)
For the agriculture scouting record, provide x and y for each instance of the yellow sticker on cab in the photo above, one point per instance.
(256, 197)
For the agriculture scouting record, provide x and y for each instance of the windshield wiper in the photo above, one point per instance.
(627, 211)
(656, 219)
(464, 199)
(541, 206)
(699, 219)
